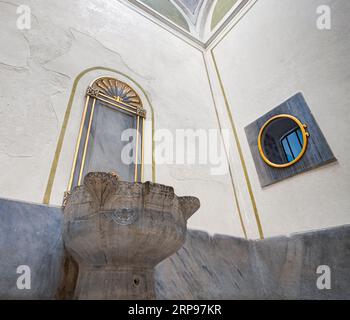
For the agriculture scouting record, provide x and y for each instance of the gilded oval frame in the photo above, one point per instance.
(305, 135)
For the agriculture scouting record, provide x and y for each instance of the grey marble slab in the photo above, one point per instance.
(30, 235)
(221, 267)
(206, 267)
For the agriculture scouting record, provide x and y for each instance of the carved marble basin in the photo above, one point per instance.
(119, 231)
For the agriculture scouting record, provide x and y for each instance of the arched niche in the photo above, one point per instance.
(111, 132)
(62, 163)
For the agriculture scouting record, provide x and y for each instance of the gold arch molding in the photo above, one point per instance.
(126, 93)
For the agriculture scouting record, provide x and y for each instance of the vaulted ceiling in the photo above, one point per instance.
(200, 19)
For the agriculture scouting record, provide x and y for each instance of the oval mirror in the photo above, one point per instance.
(282, 141)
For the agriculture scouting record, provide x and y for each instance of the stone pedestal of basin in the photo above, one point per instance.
(119, 231)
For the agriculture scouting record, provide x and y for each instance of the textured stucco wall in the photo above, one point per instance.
(37, 71)
(272, 53)
(218, 267)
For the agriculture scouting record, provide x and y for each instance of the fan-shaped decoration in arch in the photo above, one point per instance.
(118, 90)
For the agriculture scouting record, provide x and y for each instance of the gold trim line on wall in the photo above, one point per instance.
(240, 216)
(137, 149)
(86, 144)
(77, 146)
(239, 148)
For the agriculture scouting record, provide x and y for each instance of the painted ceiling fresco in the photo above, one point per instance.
(222, 7)
(167, 9)
(199, 18)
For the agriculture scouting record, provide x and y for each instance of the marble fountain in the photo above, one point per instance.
(118, 231)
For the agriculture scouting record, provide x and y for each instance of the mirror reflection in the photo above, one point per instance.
(282, 140)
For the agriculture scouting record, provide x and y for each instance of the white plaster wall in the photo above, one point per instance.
(37, 71)
(273, 52)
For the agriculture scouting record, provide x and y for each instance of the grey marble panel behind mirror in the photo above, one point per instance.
(318, 152)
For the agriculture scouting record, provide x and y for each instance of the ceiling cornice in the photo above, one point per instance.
(231, 19)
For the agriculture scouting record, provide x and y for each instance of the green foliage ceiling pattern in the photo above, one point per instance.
(168, 10)
(192, 15)
(221, 9)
